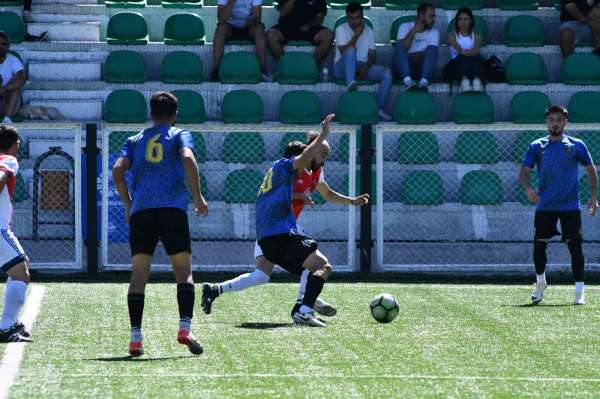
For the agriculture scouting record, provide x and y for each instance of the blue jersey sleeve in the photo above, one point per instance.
(184, 139)
(530, 156)
(584, 154)
(127, 150)
(284, 166)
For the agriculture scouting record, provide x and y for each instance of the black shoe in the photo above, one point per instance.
(295, 309)
(13, 336)
(214, 75)
(20, 329)
(210, 292)
(34, 38)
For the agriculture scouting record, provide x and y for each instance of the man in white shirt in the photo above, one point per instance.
(238, 20)
(416, 49)
(355, 56)
(13, 78)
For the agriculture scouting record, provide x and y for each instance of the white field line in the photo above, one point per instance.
(13, 354)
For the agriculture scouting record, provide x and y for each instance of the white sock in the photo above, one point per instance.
(136, 335)
(14, 298)
(302, 287)
(579, 286)
(247, 280)
(305, 309)
(541, 278)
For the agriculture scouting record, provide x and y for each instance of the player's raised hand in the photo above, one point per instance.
(201, 206)
(592, 206)
(326, 128)
(533, 196)
(361, 200)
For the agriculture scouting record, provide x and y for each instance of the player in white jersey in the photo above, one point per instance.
(13, 260)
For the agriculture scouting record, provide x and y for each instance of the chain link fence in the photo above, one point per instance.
(47, 217)
(233, 160)
(448, 198)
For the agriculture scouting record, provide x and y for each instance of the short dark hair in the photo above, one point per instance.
(464, 10)
(4, 36)
(8, 137)
(353, 7)
(294, 148)
(423, 7)
(163, 104)
(557, 109)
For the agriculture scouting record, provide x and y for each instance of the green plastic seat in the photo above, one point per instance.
(415, 107)
(12, 24)
(288, 138)
(480, 27)
(422, 187)
(181, 67)
(521, 195)
(480, 187)
(125, 3)
(456, 4)
(584, 106)
(181, 4)
(12, 3)
(526, 69)
(239, 67)
(523, 31)
(300, 106)
(517, 5)
(418, 148)
(357, 107)
(592, 141)
(343, 148)
(241, 186)
(242, 106)
(199, 146)
(297, 68)
(341, 4)
(244, 147)
(127, 28)
(191, 106)
(184, 29)
(476, 148)
(125, 106)
(473, 108)
(125, 66)
(529, 107)
(116, 139)
(521, 144)
(21, 193)
(396, 25)
(343, 19)
(582, 69)
(401, 5)
(584, 189)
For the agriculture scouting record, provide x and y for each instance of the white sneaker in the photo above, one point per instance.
(324, 309)
(579, 298)
(538, 293)
(7, 120)
(409, 83)
(465, 85)
(307, 319)
(384, 117)
(477, 86)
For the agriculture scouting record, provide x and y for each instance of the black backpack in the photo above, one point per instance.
(496, 73)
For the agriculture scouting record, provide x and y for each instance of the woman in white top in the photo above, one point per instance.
(465, 49)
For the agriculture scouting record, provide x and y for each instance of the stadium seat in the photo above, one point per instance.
(473, 108)
(521, 195)
(127, 28)
(522, 142)
(21, 193)
(199, 146)
(526, 69)
(476, 148)
(422, 187)
(124, 66)
(396, 25)
(529, 107)
(125, 106)
(181, 3)
(480, 187)
(182, 67)
(343, 19)
(184, 29)
(242, 106)
(241, 186)
(480, 27)
(401, 5)
(203, 186)
(343, 147)
(239, 67)
(517, 5)
(12, 3)
(584, 189)
(191, 106)
(125, 3)
(523, 31)
(13, 26)
(300, 106)
(418, 148)
(297, 68)
(116, 139)
(584, 106)
(456, 4)
(357, 107)
(415, 107)
(582, 69)
(243, 147)
(341, 4)
(288, 138)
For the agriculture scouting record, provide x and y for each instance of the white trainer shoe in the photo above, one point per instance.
(477, 86)
(465, 85)
(538, 293)
(307, 319)
(324, 309)
(579, 298)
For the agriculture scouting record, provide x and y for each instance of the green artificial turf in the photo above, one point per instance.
(449, 341)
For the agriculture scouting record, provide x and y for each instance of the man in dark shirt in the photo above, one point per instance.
(301, 20)
(580, 22)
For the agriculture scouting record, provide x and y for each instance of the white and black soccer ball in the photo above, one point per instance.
(384, 308)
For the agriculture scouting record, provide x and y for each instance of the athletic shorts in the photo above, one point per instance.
(581, 31)
(288, 250)
(169, 225)
(11, 252)
(240, 33)
(294, 33)
(258, 251)
(570, 224)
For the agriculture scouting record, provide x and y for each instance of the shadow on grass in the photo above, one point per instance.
(136, 359)
(264, 326)
(531, 305)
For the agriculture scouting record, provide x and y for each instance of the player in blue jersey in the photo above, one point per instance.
(156, 206)
(557, 158)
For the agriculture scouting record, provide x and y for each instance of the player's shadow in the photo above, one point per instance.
(264, 326)
(531, 305)
(136, 359)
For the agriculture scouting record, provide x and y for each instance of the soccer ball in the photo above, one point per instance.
(384, 308)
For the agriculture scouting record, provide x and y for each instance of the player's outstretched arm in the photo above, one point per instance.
(593, 178)
(524, 174)
(330, 195)
(190, 166)
(308, 154)
(118, 173)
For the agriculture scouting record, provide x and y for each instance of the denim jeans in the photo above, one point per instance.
(347, 66)
(417, 68)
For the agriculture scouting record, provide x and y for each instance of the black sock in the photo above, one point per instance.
(577, 260)
(539, 256)
(135, 303)
(314, 286)
(185, 298)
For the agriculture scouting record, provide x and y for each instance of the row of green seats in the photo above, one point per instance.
(164, 3)
(129, 28)
(12, 24)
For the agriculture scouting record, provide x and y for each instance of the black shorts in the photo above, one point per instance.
(169, 225)
(294, 33)
(570, 224)
(288, 250)
(240, 33)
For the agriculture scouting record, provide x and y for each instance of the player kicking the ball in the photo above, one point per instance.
(156, 209)
(305, 182)
(13, 260)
